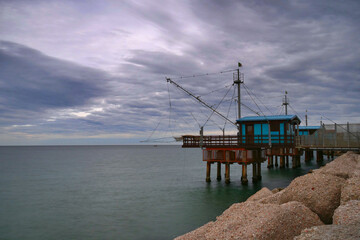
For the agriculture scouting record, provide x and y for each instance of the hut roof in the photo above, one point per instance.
(269, 118)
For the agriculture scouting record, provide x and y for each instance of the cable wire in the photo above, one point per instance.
(205, 74)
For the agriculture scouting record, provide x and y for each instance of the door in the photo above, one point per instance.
(249, 134)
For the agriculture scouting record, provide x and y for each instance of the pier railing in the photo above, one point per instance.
(234, 141)
(329, 140)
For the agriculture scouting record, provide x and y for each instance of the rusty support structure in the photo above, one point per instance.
(244, 179)
(227, 173)
(218, 177)
(208, 171)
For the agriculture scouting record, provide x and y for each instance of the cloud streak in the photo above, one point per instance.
(98, 69)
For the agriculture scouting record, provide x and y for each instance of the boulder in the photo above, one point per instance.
(330, 232)
(198, 233)
(253, 220)
(273, 199)
(343, 166)
(264, 192)
(351, 190)
(276, 190)
(348, 213)
(319, 192)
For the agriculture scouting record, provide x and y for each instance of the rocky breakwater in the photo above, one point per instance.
(324, 204)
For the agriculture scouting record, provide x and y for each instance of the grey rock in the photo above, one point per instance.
(319, 192)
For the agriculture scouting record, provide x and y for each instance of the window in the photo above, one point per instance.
(275, 126)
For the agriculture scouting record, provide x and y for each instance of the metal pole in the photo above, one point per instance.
(285, 103)
(348, 133)
(335, 135)
(238, 82)
(201, 144)
(239, 95)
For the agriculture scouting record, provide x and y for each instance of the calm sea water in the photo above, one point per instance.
(116, 192)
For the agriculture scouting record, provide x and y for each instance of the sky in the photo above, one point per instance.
(94, 72)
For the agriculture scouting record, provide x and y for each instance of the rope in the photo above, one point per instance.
(152, 132)
(216, 107)
(253, 100)
(192, 99)
(259, 99)
(295, 112)
(232, 97)
(216, 90)
(205, 74)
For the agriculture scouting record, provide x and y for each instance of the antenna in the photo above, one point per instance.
(238, 79)
(285, 102)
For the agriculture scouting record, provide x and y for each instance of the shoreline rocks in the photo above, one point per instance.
(328, 195)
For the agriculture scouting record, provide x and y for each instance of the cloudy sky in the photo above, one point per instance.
(93, 72)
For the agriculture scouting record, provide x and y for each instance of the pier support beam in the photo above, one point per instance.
(332, 155)
(269, 162)
(293, 160)
(299, 161)
(218, 177)
(307, 156)
(227, 173)
(208, 170)
(259, 177)
(276, 161)
(287, 161)
(319, 156)
(244, 179)
(254, 177)
(282, 160)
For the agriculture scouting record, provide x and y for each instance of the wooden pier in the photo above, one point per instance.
(275, 139)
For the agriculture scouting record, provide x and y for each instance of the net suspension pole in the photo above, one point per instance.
(238, 82)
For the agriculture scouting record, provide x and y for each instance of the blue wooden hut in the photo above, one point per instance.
(274, 130)
(308, 130)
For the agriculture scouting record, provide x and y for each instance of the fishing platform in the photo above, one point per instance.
(271, 138)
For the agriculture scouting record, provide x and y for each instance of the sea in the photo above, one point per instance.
(125, 192)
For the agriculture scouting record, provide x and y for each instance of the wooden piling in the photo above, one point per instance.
(282, 162)
(293, 160)
(254, 177)
(299, 161)
(258, 172)
(244, 179)
(227, 173)
(208, 170)
(269, 161)
(287, 160)
(319, 156)
(276, 161)
(218, 171)
(307, 156)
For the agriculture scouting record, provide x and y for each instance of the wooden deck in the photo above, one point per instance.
(234, 141)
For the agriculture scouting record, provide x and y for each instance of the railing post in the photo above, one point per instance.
(323, 136)
(348, 132)
(335, 135)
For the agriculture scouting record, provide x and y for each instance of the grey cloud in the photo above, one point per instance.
(308, 48)
(33, 81)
